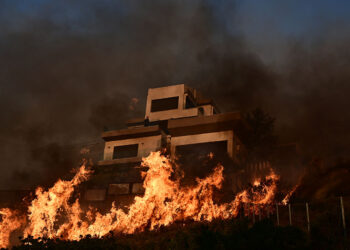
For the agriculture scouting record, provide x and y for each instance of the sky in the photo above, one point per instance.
(69, 69)
(264, 24)
(269, 25)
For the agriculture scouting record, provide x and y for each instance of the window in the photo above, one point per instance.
(125, 151)
(197, 161)
(189, 103)
(165, 104)
(202, 149)
(200, 111)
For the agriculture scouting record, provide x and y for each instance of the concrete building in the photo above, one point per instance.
(177, 118)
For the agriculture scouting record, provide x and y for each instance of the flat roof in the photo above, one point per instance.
(169, 86)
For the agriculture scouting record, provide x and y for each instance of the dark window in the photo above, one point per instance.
(202, 149)
(189, 103)
(165, 104)
(196, 161)
(200, 111)
(125, 151)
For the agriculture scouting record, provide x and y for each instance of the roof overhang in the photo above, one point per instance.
(119, 161)
(204, 124)
(131, 133)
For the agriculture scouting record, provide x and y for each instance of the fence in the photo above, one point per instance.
(331, 215)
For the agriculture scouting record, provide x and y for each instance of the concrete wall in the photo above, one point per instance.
(146, 145)
(165, 92)
(95, 194)
(121, 188)
(202, 138)
(208, 109)
(137, 188)
(125, 188)
(172, 114)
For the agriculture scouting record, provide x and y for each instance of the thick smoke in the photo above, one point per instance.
(71, 69)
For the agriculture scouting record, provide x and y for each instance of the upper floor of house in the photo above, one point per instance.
(177, 101)
(174, 102)
(175, 116)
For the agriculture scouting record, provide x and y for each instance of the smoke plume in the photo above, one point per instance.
(71, 69)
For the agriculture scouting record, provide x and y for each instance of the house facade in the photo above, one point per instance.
(177, 118)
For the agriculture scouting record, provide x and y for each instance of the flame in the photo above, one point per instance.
(287, 197)
(52, 215)
(260, 194)
(45, 208)
(10, 221)
(256, 182)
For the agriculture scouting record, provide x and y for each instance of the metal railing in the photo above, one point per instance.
(329, 214)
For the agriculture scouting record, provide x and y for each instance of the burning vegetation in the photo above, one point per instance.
(54, 214)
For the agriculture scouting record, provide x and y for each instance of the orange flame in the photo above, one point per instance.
(45, 208)
(287, 197)
(9, 223)
(164, 202)
(261, 193)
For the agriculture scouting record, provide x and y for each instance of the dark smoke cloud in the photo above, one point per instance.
(318, 98)
(70, 68)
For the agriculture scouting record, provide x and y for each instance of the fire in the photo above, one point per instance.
(287, 197)
(10, 221)
(45, 208)
(261, 193)
(256, 182)
(52, 215)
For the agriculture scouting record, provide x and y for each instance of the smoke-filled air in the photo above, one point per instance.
(191, 120)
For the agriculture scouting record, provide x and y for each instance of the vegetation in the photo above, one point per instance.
(231, 234)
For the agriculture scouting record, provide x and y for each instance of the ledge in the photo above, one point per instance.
(119, 161)
(204, 124)
(131, 133)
